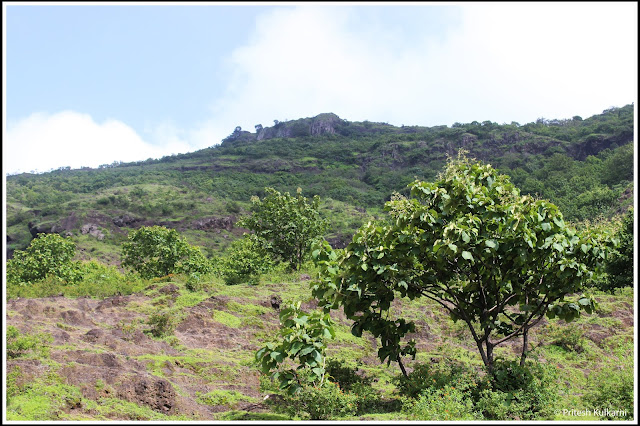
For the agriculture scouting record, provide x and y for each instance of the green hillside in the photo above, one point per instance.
(585, 166)
(184, 337)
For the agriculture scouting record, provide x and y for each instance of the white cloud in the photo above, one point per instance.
(43, 141)
(513, 62)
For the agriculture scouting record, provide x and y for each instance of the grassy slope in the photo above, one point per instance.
(208, 358)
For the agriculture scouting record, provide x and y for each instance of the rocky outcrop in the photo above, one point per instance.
(125, 220)
(46, 228)
(93, 230)
(324, 124)
(214, 223)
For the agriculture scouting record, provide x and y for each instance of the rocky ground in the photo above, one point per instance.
(203, 364)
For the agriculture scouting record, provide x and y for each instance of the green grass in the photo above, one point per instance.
(108, 408)
(46, 398)
(227, 319)
(229, 398)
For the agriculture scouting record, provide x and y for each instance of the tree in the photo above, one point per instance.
(285, 225)
(156, 251)
(492, 258)
(245, 261)
(47, 255)
(303, 337)
(620, 266)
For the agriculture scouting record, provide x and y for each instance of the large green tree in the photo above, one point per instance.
(285, 225)
(47, 255)
(495, 259)
(156, 251)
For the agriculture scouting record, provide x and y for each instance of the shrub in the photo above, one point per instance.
(302, 339)
(157, 251)
(519, 392)
(426, 377)
(322, 402)
(245, 262)
(570, 337)
(98, 280)
(344, 374)
(448, 403)
(47, 255)
(19, 344)
(162, 324)
(222, 397)
(194, 282)
(368, 400)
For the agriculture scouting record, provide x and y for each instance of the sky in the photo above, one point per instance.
(92, 84)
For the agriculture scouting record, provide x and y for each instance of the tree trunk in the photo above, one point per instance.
(404, 372)
(489, 362)
(525, 344)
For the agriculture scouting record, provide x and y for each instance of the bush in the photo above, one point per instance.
(245, 262)
(520, 392)
(345, 375)
(222, 397)
(321, 402)
(98, 280)
(162, 324)
(157, 251)
(569, 337)
(47, 255)
(19, 344)
(448, 403)
(194, 282)
(427, 377)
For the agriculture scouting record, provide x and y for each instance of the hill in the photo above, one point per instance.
(585, 166)
(116, 346)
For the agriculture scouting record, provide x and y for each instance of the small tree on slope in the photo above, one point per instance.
(492, 258)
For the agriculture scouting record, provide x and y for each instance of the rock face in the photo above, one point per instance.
(92, 229)
(315, 126)
(214, 223)
(125, 220)
(324, 124)
(47, 228)
(158, 394)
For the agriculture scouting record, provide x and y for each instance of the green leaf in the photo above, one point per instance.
(585, 301)
(559, 222)
(491, 243)
(467, 255)
(317, 356)
(306, 350)
(546, 226)
(465, 237)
